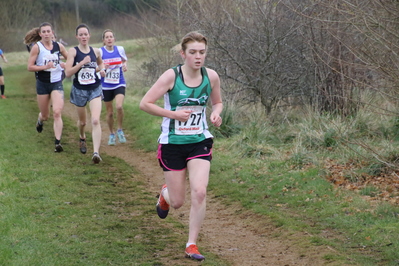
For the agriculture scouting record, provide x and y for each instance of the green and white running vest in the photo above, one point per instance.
(192, 98)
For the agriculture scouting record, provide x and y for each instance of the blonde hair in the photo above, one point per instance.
(104, 32)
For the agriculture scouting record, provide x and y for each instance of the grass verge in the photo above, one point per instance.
(59, 208)
(269, 173)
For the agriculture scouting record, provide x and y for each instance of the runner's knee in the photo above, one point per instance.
(119, 108)
(81, 123)
(95, 122)
(199, 195)
(57, 113)
(110, 114)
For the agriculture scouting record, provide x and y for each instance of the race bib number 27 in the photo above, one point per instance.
(194, 124)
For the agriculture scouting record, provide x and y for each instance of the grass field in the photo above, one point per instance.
(59, 209)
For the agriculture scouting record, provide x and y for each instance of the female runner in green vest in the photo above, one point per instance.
(185, 143)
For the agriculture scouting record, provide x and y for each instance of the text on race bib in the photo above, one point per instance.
(87, 76)
(194, 124)
(112, 76)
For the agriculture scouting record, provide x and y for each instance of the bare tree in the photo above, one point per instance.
(324, 29)
(353, 49)
(256, 45)
(285, 52)
(16, 15)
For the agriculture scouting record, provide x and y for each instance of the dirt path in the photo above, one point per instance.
(240, 237)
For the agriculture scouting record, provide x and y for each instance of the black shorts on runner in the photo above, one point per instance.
(109, 95)
(174, 157)
(44, 88)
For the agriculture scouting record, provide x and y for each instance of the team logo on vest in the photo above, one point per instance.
(90, 64)
(193, 101)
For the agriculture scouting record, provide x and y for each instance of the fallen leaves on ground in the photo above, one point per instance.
(349, 176)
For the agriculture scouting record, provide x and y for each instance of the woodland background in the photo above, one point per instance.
(310, 90)
(332, 56)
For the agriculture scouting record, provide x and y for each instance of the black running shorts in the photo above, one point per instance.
(174, 157)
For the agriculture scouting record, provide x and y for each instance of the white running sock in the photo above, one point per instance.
(189, 244)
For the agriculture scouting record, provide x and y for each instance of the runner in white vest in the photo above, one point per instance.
(44, 60)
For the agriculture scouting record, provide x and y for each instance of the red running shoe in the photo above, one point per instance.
(162, 205)
(193, 253)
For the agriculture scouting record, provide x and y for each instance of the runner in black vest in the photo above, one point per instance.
(84, 62)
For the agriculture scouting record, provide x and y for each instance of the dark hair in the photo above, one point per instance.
(45, 24)
(82, 26)
(33, 35)
(193, 36)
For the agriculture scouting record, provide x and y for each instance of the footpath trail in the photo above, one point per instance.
(238, 236)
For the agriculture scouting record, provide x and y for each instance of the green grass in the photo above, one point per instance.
(59, 209)
(276, 169)
(302, 200)
(254, 168)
